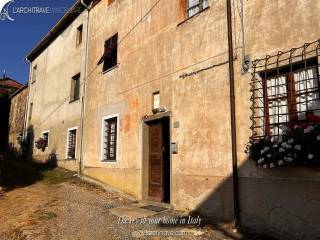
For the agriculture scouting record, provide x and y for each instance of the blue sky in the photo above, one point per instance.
(18, 37)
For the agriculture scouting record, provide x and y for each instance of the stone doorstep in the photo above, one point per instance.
(136, 210)
(158, 204)
(132, 211)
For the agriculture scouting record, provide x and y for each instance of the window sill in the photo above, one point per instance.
(109, 161)
(75, 100)
(110, 69)
(70, 159)
(187, 19)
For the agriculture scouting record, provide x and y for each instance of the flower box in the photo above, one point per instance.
(298, 145)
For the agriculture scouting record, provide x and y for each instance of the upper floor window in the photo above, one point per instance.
(34, 74)
(196, 6)
(109, 57)
(284, 95)
(79, 35)
(75, 88)
(109, 138)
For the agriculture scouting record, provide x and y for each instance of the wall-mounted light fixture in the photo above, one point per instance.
(245, 64)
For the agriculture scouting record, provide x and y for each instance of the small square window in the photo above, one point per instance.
(156, 100)
(109, 139)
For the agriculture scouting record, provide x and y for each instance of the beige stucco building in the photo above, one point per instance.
(57, 67)
(163, 57)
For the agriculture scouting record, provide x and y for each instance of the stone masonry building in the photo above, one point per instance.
(17, 116)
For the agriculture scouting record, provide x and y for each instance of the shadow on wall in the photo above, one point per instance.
(4, 121)
(279, 203)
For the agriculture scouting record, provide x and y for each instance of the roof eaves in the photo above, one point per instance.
(18, 91)
(63, 23)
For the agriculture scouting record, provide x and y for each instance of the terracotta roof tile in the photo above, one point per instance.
(10, 83)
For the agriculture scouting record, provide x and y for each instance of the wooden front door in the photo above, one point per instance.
(156, 162)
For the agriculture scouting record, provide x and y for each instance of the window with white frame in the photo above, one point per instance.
(109, 138)
(71, 143)
(196, 6)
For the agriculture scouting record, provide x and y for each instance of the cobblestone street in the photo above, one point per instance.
(53, 204)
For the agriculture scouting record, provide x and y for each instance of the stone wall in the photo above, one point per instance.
(17, 119)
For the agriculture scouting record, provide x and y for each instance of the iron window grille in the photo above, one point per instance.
(285, 90)
(110, 130)
(72, 141)
(196, 6)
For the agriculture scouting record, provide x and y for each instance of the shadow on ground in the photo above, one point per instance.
(17, 172)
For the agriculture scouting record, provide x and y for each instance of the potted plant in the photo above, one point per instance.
(41, 144)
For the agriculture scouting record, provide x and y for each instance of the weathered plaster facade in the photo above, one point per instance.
(283, 202)
(156, 47)
(53, 110)
(151, 57)
(17, 118)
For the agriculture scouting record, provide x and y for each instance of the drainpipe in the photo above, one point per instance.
(24, 132)
(80, 168)
(233, 120)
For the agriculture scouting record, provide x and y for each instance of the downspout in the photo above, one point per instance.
(80, 168)
(24, 132)
(233, 120)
